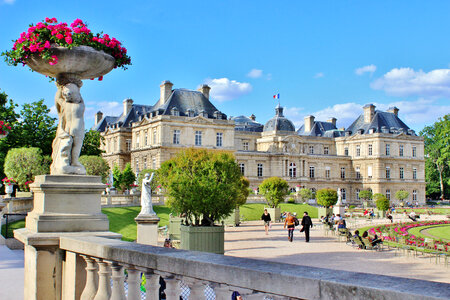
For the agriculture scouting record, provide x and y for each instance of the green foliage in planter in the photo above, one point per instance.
(23, 164)
(123, 179)
(401, 195)
(245, 191)
(274, 189)
(326, 197)
(306, 194)
(382, 202)
(365, 195)
(202, 185)
(291, 199)
(155, 181)
(95, 165)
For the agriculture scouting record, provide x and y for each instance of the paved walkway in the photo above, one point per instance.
(249, 240)
(11, 274)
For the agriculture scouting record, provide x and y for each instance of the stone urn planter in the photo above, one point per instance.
(72, 66)
(203, 238)
(9, 188)
(275, 213)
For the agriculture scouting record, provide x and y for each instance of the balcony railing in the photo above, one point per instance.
(213, 276)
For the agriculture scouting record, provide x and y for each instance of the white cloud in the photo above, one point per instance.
(9, 1)
(366, 69)
(223, 89)
(255, 73)
(407, 82)
(319, 75)
(53, 111)
(108, 108)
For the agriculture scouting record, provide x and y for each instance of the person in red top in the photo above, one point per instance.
(290, 222)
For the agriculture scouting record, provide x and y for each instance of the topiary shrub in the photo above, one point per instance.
(382, 202)
(274, 189)
(365, 195)
(326, 197)
(123, 179)
(401, 195)
(96, 166)
(306, 194)
(23, 164)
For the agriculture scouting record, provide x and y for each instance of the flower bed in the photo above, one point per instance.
(399, 233)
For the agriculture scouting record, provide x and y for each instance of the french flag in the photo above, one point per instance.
(277, 96)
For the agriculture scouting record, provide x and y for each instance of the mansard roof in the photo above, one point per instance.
(184, 100)
(243, 123)
(320, 128)
(279, 122)
(133, 115)
(386, 122)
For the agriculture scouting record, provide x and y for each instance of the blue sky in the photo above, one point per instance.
(325, 58)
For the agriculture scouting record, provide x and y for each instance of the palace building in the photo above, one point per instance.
(377, 151)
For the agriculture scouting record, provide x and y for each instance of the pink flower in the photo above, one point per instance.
(68, 40)
(47, 45)
(100, 78)
(77, 30)
(53, 61)
(59, 36)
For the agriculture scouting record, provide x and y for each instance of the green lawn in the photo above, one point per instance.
(439, 231)
(12, 226)
(438, 211)
(121, 219)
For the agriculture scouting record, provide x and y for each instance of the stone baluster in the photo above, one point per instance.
(118, 290)
(104, 283)
(151, 286)
(197, 288)
(134, 284)
(90, 289)
(172, 288)
(222, 292)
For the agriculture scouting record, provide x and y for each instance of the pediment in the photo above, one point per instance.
(200, 120)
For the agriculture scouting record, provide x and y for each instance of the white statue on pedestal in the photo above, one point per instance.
(339, 192)
(146, 196)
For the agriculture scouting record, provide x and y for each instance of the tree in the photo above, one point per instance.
(401, 195)
(274, 189)
(202, 185)
(123, 179)
(95, 165)
(23, 164)
(326, 197)
(365, 195)
(244, 191)
(382, 202)
(8, 115)
(306, 194)
(92, 142)
(437, 148)
(36, 127)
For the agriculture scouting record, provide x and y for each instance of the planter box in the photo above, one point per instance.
(234, 219)
(275, 213)
(23, 194)
(323, 211)
(174, 227)
(380, 213)
(203, 238)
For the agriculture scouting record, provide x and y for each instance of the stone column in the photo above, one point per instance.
(147, 229)
(64, 205)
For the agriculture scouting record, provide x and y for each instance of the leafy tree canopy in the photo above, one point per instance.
(401, 195)
(92, 142)
(274, 189)
(306, 194)
(382, 202)
(365, 194)
(326, 197)
(95, 165)
(123, 179)
(204, 186)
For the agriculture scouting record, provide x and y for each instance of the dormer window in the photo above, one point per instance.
(217, 115)
(174, 111)
(190, 113)
(204, 114)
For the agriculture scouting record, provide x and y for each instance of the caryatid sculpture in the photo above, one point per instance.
(146, 196)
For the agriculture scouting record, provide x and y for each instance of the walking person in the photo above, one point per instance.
(290, 222)
(266, 218)
(306, 225)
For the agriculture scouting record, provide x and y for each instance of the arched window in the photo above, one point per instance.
(292, 170)
(292, 190)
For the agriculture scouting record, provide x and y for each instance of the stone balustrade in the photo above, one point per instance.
(92, 263)
(128, 200)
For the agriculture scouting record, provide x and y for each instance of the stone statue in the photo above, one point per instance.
(146, 196)
(70, 132)
(339, 202)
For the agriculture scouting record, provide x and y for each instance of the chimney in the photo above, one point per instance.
(166, 90)
(332, 121)
(127, 105)
(369, 111)
(253, 117)
(393, 110)
(98, 117)
(204, 89)
(309, 123)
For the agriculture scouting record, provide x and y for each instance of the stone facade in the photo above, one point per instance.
(378, 151)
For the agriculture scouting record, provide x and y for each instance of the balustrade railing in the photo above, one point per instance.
(194, 275)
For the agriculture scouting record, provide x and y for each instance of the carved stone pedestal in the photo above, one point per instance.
(147, 229)
(64, 205)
